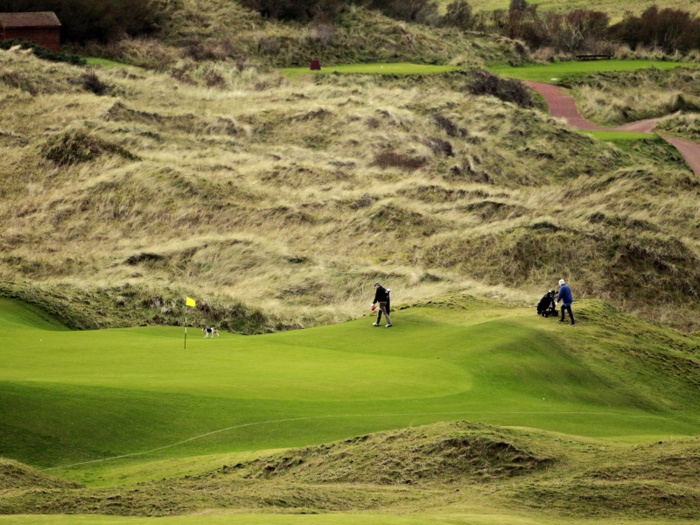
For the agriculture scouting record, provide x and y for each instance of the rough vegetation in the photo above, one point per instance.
(425, 467)
(293, 197)
(223, 30)
(617, 98)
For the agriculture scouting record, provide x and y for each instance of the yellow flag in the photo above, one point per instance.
(190, 302)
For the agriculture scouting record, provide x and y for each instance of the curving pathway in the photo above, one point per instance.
(562, 105)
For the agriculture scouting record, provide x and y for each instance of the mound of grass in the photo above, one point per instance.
(445, 453)
(77, 146)
(16, 476)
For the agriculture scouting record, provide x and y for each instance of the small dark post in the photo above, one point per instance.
(315, 65)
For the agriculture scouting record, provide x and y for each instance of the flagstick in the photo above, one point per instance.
(185, 326)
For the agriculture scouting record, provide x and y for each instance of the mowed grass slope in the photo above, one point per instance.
(77, 397)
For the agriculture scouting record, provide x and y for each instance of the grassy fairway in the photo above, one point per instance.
(557, 72)
(371, 69)
(74, 397)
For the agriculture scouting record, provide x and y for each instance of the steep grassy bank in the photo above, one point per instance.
(261, 194)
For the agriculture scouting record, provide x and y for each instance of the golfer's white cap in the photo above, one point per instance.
(561, 281)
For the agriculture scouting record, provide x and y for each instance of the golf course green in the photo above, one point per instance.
(558, 70)
(128, 405)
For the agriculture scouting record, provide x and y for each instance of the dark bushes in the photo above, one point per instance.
(91, 82)
(485, 83)
(103, 20)
(302, 10)
(459, 14)
(422, 11)
(670, 29)
(585, 31)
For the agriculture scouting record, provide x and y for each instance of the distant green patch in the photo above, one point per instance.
(371, 69)
(612, 136)
(103, 62)
(556, 73)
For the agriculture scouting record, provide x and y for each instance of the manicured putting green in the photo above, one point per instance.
(372, 69)
(552, 73)
(78, 398)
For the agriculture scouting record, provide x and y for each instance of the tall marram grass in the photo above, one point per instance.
(266, 193)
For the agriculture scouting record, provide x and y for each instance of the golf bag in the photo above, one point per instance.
(548, 305)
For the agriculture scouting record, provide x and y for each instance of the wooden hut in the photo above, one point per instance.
(42, 28)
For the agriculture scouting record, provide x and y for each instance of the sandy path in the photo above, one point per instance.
(562, 105)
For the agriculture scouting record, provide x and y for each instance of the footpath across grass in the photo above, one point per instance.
(557, 72)
(371, 69)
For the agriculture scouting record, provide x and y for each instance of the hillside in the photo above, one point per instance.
(279, 202)
(220, 29)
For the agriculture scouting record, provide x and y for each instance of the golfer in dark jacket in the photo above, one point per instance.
(567, 298)
(381, 296)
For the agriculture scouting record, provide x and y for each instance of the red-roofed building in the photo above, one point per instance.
(42, 28)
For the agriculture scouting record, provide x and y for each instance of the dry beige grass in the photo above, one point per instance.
(618, 98)
(267, 191)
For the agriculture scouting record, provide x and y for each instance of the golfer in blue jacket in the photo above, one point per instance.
(567, 298)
